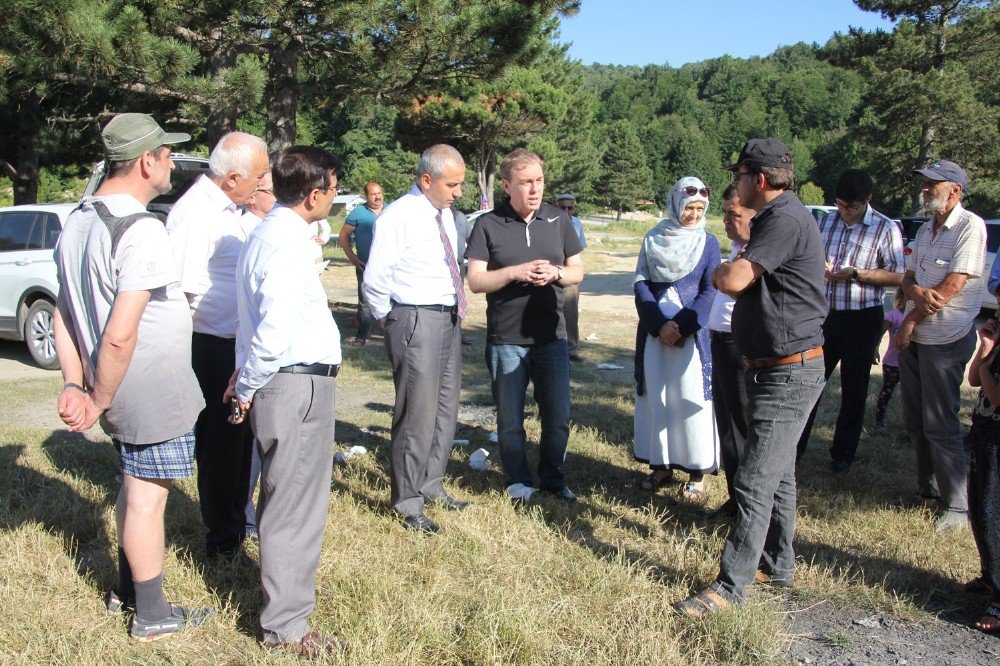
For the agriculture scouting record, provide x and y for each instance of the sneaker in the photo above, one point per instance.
(951, 520)
(181, 618)
(116, 604)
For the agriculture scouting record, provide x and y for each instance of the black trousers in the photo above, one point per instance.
(223, 451)
(729, 399)
(850, 339)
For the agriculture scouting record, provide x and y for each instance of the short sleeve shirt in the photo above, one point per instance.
(782, 313)
(159, 397)
(363, 220)
(958, 247)
(520, 314)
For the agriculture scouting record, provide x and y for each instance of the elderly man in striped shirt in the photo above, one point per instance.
(864, 255)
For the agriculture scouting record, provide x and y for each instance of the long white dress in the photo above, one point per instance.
(674, 423)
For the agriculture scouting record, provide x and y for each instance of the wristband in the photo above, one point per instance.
(74, 385)
(854, 275)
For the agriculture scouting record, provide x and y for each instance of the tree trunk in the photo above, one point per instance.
(26, 180)
(486, 172)
(282, 97)
(927, 136)
(618, 218)
(221, 120)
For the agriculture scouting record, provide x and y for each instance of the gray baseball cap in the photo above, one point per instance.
(129, 135)
(944, 170)
(566, 197)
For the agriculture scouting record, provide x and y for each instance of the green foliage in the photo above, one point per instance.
(625, 176)
(811, 195)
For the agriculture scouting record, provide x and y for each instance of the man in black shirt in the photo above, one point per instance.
(777, 281)
(521, 255)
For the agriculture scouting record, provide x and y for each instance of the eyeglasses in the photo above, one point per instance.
(849, 207)
(568, 208)
(736, 175)
(691, 190)
(271, 191)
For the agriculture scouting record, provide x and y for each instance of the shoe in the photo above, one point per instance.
(563, 493)
(451, 504)
(726, 511)
(951, 520)
(180, 618)
(116, 604)
(704, 603)
(917, 501)
(839, 467)
(694, 491)
(765, 578)
(656, 479)
(421, 524)
(358, 342)
(312, 645)
(576, 357)
(466, 340)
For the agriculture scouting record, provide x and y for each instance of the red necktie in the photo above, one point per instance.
(456, 275)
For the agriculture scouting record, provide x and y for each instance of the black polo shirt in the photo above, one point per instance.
(520, 314)
(782, 313)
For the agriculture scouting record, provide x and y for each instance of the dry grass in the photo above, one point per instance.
(553, 584)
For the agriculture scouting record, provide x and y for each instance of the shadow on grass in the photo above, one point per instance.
(81, 522)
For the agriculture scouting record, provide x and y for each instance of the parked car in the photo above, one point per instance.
(989, 301)
(187, 168)
(28, 284)
(908, 227)
(820, 211)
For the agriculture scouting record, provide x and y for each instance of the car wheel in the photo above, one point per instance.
(39, 333)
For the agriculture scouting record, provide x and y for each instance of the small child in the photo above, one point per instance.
(890, 363)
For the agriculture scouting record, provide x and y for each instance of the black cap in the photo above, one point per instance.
(767, 152)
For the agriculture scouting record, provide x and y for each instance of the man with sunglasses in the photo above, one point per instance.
(777, 281)
(571, 294)
(864, 255)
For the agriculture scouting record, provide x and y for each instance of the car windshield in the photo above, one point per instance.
(993, 236)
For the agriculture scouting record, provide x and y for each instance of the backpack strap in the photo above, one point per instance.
(117, 226)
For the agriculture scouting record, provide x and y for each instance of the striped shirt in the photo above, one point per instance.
(958, 247)
(874, 242)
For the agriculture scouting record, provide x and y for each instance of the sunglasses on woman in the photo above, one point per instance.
(691, 190)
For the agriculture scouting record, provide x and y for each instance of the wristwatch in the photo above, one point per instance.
(854, 275)
(559, 273)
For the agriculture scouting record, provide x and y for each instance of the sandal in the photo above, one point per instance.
(656, 479)
(978, 585)
(694, 491)
(989, 623)
(702, 604)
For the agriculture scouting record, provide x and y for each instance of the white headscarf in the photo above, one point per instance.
(669, 250)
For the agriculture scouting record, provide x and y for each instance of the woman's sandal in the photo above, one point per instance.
(989, 623)
(978, 585)
(656, 480)
(694, 491)
(705, 602)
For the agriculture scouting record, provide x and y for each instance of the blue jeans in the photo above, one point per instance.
(779, 400)
(547, 366)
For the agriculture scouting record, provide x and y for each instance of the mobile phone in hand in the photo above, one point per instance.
(234, 410)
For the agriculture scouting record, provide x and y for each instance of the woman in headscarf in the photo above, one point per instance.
(674, 422)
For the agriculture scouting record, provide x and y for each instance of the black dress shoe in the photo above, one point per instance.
(451, 504)
(839, 467)
(726, 511)
(422, 524)
(563, 493)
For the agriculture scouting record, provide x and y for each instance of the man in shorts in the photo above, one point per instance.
(123, 337)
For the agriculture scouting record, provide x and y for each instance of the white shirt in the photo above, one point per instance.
(283, 314)
(207, 234)
(407, 262)
(720, 318)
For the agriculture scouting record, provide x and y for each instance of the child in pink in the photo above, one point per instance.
(890, 363)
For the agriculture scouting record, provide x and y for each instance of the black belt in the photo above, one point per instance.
(720, 335)
(321, 369)
(436, 308)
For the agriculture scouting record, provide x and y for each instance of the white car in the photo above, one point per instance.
(28, 284)
(187, 168)
(820, 211)
(989, 301)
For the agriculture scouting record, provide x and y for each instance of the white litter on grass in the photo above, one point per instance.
(609, 366)
(341, 457)
(368, 432)
(519, 491)
(494, 438)
(480, 460)
(460, 442)
(592, 336)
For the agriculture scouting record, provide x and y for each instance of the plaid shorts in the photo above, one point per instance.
(172, 459)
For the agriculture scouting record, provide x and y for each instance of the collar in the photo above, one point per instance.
(867, 219)
(284, 215)
(543, 213)
(207, 187)
(953, 217)
(779, 200)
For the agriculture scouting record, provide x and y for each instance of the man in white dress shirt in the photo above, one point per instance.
(728, 389)
(414, 287)
(207, 235)
(287, 354)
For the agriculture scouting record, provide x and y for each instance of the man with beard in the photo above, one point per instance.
(937, 339)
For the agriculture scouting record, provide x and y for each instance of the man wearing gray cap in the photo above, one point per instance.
(937, 339)
(777, 281)
(123, 337)
(571, 294)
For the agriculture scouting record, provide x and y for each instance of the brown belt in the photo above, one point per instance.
(771, 361)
